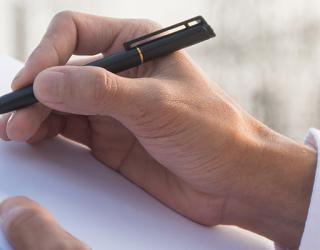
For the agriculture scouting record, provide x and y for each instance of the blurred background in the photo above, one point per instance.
(266, 54)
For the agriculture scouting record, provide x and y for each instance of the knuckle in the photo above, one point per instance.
(152, 24)
(105, 89)
(148, 25)
(111, 86)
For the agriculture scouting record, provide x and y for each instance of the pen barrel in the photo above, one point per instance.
(176, 41)
(21, 98)
(119, 61)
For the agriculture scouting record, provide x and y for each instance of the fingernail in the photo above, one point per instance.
(12, 116)
(49, 85)
(18, 75)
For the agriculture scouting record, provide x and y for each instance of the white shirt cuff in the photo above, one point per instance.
(311, 236)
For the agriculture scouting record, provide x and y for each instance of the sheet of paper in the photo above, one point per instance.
(8, 68)
(99, 206)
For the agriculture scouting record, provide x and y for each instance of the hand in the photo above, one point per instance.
(29, 226)
(165, 127)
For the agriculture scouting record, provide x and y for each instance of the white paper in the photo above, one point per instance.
(8, 68)
(99, 206)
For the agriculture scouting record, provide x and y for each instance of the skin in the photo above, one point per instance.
(162, 125)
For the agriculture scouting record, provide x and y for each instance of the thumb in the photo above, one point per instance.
(86, 90)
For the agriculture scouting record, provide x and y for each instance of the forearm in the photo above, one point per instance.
(275, 201)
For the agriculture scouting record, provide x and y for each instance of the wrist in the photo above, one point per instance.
(274, 195)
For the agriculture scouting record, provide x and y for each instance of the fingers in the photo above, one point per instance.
(76, 33)
(69, 33)
(73, 127)
(89, 91)
(28, 226)
(27, 123)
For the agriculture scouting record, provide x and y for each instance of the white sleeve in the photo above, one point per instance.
(311, 235)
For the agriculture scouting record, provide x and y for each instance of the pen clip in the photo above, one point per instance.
(198, 20)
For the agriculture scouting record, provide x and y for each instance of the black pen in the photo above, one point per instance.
(137, 52)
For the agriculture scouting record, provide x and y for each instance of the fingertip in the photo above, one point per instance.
(16, 83)
(23, 78)
(23, 123)
(69, 88)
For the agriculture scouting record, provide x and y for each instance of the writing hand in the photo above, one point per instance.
(165, 127)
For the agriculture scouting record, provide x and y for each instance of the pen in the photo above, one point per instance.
(137, 52)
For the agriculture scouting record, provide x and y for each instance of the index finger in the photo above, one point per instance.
(82, 34)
